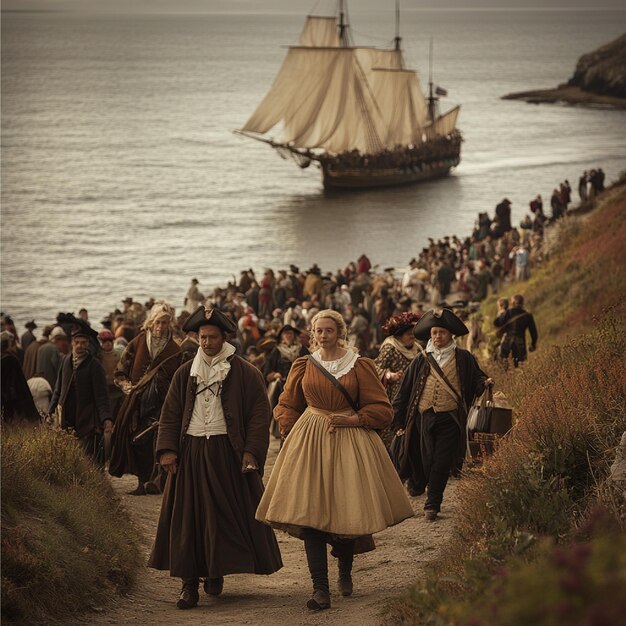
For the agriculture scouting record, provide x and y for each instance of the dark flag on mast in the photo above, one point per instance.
(440, 91)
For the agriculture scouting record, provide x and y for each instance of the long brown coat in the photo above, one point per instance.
(244, 401)
(134, 363)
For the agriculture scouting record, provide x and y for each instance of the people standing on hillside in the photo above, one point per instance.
(333, 481)
(213, 440)
(513, 324)
(144, 374)
(50, 353)
(194, 298)
(30, 354)
(521, 257)
(109, 359)
(81, 394)
(431, 406)
(29, 336)
(582, 186)
(503, 213)
(16, 401)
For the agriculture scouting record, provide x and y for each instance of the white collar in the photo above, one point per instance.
(217, 369)
(444, 355)
(341, 366)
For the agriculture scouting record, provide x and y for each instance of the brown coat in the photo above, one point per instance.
(245, 404)
(134, 363)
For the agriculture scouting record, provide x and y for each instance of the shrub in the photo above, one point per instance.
(66, 542)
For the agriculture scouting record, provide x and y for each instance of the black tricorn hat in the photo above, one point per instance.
(80, 332)
(442, 318)
(204, 317)
(30, 325)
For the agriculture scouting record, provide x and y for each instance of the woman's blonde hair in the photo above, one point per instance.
(342, 329)
(159, 309)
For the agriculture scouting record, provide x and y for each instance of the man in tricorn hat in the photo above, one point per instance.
(431, 406)
(81, 392)
(213, 440)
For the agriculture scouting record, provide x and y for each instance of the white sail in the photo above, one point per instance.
(401, 104)
(323, 100)
(320, 32)
(338, 99)
(443, 125)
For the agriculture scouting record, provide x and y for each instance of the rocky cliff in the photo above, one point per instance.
(603, 71)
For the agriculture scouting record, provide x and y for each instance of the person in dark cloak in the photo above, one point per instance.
(213, 440)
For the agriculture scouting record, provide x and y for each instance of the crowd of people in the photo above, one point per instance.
(184, 402)
(453, 271)
(406, 157)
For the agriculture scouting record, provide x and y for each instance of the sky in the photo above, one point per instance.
(289, 6)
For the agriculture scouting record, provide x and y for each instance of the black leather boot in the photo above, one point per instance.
(317, 559)
(189, 595)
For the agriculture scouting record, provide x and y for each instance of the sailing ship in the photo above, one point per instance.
(357, 111)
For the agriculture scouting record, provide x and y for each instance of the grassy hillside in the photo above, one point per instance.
(539, 538)
(66, 544)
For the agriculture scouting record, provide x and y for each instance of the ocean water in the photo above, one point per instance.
(121, 175)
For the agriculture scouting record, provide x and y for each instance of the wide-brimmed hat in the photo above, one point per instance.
(266, 344)
(31, 325)
(399, 324)
(440, 318)
(204, 317)
(297, 331)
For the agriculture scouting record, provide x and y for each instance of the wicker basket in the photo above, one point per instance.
(484, 444)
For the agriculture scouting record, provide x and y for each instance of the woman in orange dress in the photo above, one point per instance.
(333, 482)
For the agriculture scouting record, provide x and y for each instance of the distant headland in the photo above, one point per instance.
(599, 80)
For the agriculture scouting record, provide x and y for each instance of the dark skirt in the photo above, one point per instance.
(207, 526)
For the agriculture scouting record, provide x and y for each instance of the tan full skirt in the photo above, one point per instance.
(339, 481)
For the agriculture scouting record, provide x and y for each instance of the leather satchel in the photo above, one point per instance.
(479, 418)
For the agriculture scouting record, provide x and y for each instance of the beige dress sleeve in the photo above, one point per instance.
(375, 410)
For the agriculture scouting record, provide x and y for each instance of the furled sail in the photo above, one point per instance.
(401, 104)
(444, 125)
(320, 32)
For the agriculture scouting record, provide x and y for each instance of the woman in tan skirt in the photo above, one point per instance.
(333, 482)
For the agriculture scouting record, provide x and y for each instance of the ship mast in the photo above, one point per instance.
(344, 37)
(397, 39)
(432, 99)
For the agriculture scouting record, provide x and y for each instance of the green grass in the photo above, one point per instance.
(66, 543)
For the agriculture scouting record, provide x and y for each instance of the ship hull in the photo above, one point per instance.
(357, 178)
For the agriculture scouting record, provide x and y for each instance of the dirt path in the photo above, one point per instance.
(401, 555)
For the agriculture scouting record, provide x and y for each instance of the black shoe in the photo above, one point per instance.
(431, 514)
(413, 490)
(188, 598)
(151, 488)
(214, 586)
(345, 585)
(139, 491)
(319, 601)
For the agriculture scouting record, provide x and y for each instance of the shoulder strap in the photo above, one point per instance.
(335, 382)
(519, 316)
(149, 375)
(443, 379)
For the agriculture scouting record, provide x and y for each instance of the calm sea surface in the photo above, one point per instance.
(121, 175)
